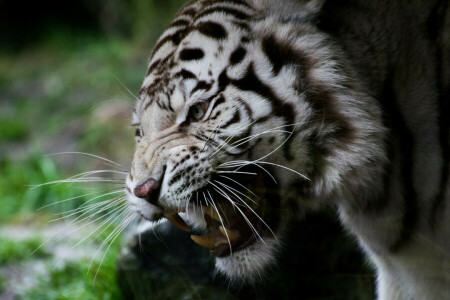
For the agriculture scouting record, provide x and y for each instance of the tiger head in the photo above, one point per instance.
(237, 122)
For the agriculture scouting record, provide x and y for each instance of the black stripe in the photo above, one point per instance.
(152, 67)
(278, 54)
(236, 118)
(220, 100)
(179, 22)
(238, 14)
(191, 54)
(175, 38)
(237, 56)
(400, 131)
(201, 85)
(245, 39)
(242, 25)
(237, 2)
(250, 82)
(185, 74)
(212, 30)
(188, 11)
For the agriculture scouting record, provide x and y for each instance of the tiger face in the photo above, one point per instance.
(235, 126)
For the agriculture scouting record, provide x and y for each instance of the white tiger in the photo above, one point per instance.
(253, 112)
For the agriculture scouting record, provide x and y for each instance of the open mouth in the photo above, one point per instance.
(233, 210)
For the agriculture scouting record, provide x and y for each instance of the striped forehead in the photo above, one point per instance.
(196, 46)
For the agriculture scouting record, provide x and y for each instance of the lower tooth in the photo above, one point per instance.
(207, 241)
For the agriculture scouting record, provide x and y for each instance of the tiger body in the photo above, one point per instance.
(343, 105)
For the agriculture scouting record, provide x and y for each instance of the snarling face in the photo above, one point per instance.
(228, 117)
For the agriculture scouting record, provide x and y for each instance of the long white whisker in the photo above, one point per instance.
(254, 136)
(243, 163)
(128, 219)
(274, 129)
(239, 192)
(284, 167)
(125, 87)
(221, 221)
(225, 142)
(86, 154)
(80, 218)
(219, 190)
(248, 206)
(114, 191)
(229, 178)
(114, 216)
(84, 180)
(84, 206)
(236, 172)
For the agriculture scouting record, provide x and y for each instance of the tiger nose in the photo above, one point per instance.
(148, 190)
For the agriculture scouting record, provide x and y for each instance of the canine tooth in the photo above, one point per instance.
(232, 234)
(210, 211)
(207, 241)
(178, 222)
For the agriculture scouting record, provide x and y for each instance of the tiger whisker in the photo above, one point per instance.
(78, 210)
(235, 172)
(221, 221)
(225, 142)
(104, 205)
(239, 192)
(223, 193)
(243, 163)
(84, 205)
(100, 226)
(90, 155)
(248, 206)
(127, 211)
(127, 221)
(125, 87)
(284, 167)
(91, 219)
(229, 178)
(76, 197)
(84, 174)
(254, 136)
(118, 211)
(57, 235)
(214, 132)
(252, 228)
(83, 180)
(274, 129)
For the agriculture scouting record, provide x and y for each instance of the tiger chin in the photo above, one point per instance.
(253, 113)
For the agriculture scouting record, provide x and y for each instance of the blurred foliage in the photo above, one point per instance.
(19, 250)
(84, 280)
(69, 73)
